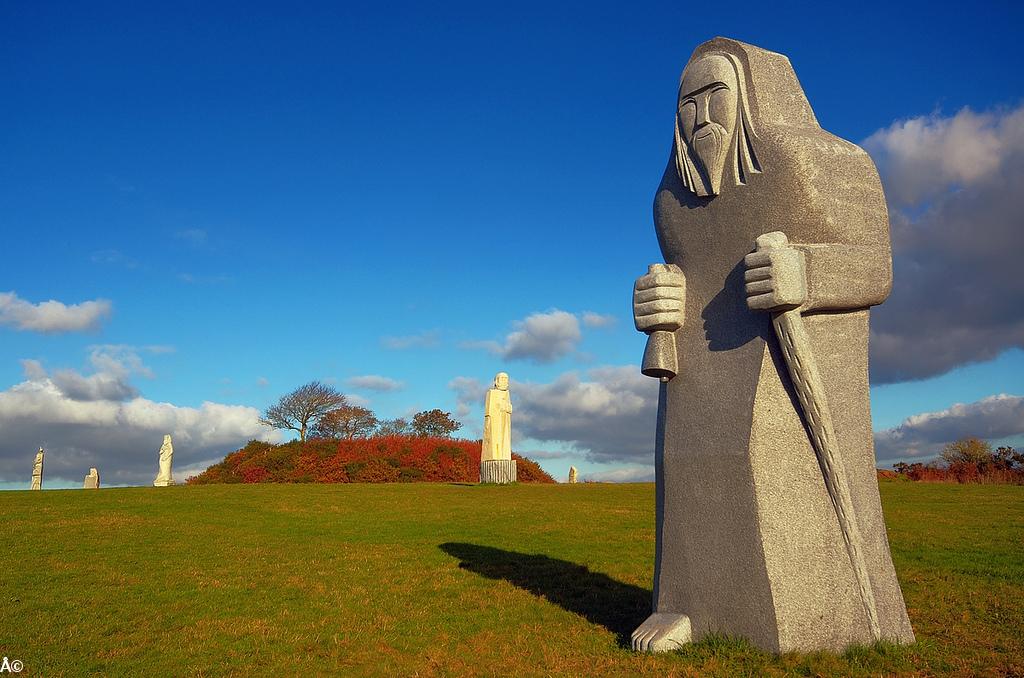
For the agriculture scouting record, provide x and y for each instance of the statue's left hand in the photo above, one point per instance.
(776, 275)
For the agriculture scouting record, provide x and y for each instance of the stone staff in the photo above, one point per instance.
(810, 390)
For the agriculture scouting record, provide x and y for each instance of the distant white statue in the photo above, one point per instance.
(498, 421)
(92, 481)
(163, 477)
(37, 471)
(496, 463)
(572, 475)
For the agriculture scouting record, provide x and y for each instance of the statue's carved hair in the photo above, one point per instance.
(742, 161)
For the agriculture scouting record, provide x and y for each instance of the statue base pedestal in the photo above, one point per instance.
(162, 483)
(501, 471)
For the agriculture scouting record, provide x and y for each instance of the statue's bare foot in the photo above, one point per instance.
(662, 632)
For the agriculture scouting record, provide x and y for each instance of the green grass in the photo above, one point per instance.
(426, 580)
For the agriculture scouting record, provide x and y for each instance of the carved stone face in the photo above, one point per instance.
(708, 108)
(501, 381)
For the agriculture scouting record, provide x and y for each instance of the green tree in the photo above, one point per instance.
(434, 423)
(303, 407)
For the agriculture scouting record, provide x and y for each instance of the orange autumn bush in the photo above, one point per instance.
(969, 460)
(383, 459)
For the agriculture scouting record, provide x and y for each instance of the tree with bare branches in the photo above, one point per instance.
(434, 423)
(394, 427)
(347, 422)
(304, 406)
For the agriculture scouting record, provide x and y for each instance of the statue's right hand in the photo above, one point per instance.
(659, 299)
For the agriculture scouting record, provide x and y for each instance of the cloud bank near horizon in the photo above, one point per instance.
(100, 419)
(957, 212)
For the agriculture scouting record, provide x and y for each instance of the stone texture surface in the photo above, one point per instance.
(572, 475)
(750, 541)
(163, 476)
(37, 471)
(499, 471)
(497, 442)
(92, 481)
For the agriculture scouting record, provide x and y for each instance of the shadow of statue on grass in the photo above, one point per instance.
(596, 597)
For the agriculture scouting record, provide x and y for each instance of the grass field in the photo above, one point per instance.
(424, 580)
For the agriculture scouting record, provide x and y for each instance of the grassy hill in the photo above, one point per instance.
(381, 459)
(444, 579)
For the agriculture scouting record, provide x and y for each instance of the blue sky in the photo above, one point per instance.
(265, 194)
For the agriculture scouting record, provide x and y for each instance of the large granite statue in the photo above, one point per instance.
(37, 472)
(163, 477)
(496, 462)
(92, 481)
(776, 239)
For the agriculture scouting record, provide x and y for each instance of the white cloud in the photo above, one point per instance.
(374, 382)
(428, 339)
(121, 439)
(609, 417)
(100, 419)
(112, 365)
(923, 436)
(922, 157)
(956, 205)
(469, 395)
(591, 319)
(52, 317)
(98, 386)
(540, 338)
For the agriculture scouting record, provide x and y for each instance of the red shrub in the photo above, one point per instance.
(377, 471)
(1002, 466)
(386, 459)
(254, 474)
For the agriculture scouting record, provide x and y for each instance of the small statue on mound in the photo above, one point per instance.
(496, 463)
(163, 477)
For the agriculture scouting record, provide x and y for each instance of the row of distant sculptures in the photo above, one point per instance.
(92, 480)
(496, 465)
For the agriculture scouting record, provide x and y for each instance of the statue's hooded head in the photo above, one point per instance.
(501, 381)
(732, 96)
(714, 136)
